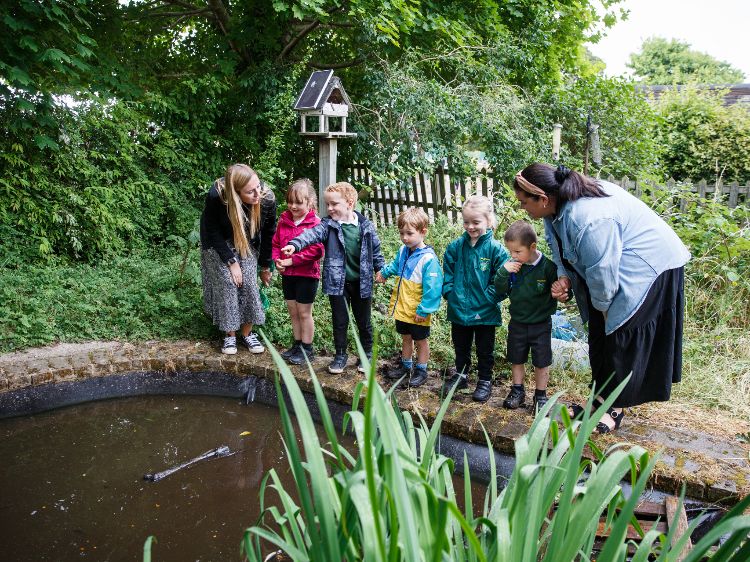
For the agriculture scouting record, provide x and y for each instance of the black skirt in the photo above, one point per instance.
(649, 345)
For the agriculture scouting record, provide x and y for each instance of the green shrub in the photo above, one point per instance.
(700, 138)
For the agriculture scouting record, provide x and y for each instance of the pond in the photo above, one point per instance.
(72, 487)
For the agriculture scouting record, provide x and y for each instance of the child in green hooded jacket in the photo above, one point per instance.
(470, 264)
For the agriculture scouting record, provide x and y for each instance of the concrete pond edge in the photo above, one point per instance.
(44, 379)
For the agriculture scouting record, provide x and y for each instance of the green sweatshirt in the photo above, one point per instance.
(353, 249)
(529, 291)
(468, 272)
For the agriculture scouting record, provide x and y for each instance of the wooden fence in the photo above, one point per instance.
(440, 193)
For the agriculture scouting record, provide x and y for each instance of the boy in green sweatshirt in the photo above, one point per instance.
(527, 280)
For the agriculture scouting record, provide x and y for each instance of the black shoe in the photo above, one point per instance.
(459, 380)
(399, 372)
(616, 416)
(298, 357)
(229, 347)
(291, 351)
(309, 352)
(538, 404)
(515, 399)
(360, 366)
(252, 343)
(483, 391)
(338, 364)
(418, 378)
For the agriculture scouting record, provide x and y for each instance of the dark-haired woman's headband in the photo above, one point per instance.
(527, 186)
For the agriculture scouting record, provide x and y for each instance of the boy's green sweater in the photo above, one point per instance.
(529, 291)
(353, 249)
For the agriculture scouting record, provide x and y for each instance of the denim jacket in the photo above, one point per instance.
(618, 246)
(329, 233)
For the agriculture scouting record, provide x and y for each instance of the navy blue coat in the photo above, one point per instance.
(329, 233)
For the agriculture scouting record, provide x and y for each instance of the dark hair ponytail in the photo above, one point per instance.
(562, 182)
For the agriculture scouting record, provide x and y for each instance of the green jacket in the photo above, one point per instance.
(529, 291)
(467, 282)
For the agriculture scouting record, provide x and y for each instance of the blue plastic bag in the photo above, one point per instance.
(562, 329)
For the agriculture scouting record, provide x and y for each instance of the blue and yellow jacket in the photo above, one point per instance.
(419, 284)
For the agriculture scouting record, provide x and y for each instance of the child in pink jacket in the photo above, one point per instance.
(300, 273)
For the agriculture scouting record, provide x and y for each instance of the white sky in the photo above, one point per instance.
(717, 27)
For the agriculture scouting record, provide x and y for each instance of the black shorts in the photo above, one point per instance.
(537, 337)
(300, 289)
(416, 331)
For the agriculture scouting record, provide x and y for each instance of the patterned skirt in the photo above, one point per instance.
(229, 306)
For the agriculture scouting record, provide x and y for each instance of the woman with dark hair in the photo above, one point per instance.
(626, 268)
(237, 225)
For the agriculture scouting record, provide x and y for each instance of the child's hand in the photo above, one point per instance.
(280, 268)
(288, 250)
(560, 289)
(379, 278)
(283, 263)
(419, 319)
(513, 266)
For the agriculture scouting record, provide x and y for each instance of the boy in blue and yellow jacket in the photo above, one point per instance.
(416, 295)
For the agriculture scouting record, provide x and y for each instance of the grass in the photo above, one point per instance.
(157, 295)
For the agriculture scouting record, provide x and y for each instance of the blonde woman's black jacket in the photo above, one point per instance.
(216, 228)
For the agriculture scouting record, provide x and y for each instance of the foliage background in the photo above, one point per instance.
(116, 117)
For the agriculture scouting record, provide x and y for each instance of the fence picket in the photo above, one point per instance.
(424, 192)
(734, 191)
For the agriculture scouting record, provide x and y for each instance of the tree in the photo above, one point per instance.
(625, 120)
(182, 87)
(674, 62)
(700, 138)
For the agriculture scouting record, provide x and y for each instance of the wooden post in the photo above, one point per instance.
(437, 192)
(677, 519)
(327, 156)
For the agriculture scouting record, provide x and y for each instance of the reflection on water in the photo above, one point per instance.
(72, 488)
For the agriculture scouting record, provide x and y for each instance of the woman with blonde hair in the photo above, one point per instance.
(237, 225)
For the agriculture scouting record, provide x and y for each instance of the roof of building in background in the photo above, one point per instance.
(734, 93)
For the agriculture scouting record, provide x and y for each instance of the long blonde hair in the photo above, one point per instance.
(244, 224)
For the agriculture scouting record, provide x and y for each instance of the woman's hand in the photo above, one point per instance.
(419, 319)
(235, 272)
(560, 289)
(379, 278)
(265, 276)
(513, 266)
(288, 250)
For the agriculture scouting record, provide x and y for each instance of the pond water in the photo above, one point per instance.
(72, 487)
(72, 483)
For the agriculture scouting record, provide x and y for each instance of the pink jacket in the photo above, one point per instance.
(305, 263)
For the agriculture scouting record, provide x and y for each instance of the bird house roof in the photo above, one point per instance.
(322, 87)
